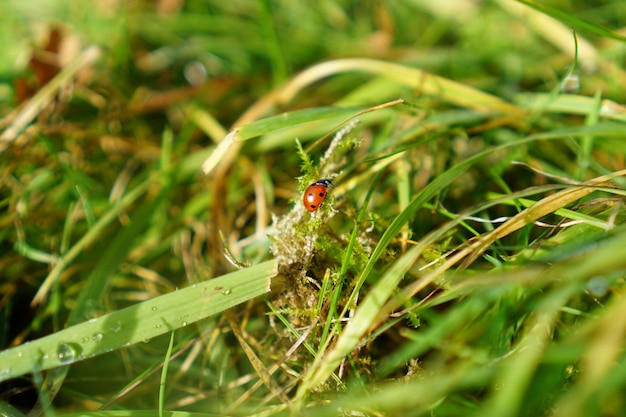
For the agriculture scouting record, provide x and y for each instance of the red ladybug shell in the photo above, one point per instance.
(315, 194)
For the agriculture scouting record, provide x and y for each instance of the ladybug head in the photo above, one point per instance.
(325, 182)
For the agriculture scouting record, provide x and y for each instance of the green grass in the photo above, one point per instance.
(157, 259)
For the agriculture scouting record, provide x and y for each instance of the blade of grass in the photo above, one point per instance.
(553, 31)
(563, 212)
(574, 21)
(293, 118)
(137, 323)
(586, 145)
(166, 363)
(572, 104)
(89, 238)
(179, 349)
(424, 82)
(533, 213)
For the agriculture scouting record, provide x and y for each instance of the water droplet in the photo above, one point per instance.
(226, 291)
(20, 354)
(154, 308)
(5, 372)
(184, 323)
(67, 352)
(158, 326)
(571, 84)
(97, 337)
(116, 327)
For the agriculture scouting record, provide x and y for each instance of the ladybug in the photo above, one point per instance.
(315, 194)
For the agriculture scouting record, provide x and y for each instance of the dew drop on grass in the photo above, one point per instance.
(97, 337)
(154, 308)
(116, 327)
(66, 353)
(226, 291)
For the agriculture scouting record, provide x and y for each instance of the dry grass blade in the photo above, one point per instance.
(422, 81)
(45, 95)
(546, 206)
